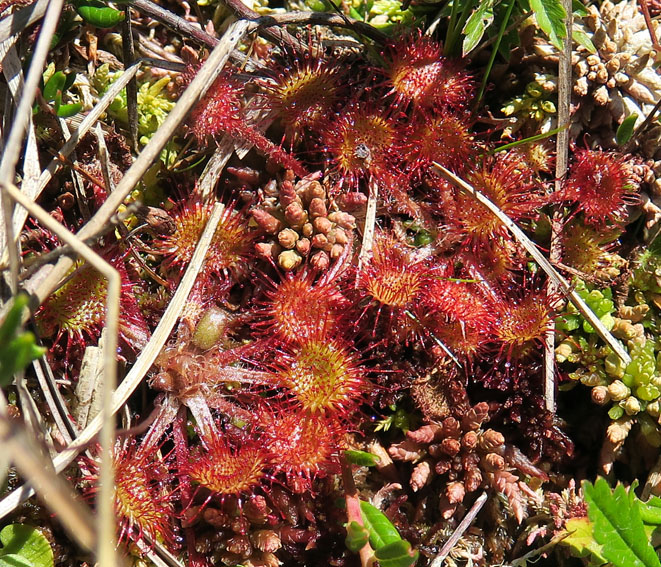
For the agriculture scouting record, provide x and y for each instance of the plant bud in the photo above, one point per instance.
(295, 215)
(336, 251)
(455, 492)
(289, 260)
(288, 194)
(303, 246)
(618, 391)
(495, 462)
(317, 208)
(267, 222)
(320, 261)
(600, 395)
(319, 241)
(307, 230)
(322, 225)
(450, 446)
(632, 406)
(211, 328)
(287, 238)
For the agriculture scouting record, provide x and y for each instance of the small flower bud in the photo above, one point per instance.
(303, 246)
(287, 238)
(491, 440)
(495, 462)
(654, 408)
(322, 225)
(631, 406)
(267, 222)
(450, 446)
(341, 236)
(317, 208)
(319, 241)
(320, 261)
(288, 194)
(295, 215)
(600, 395)
(345, 220)
(618, 391)
(267, 250)
(336, 251)
(455, 492)
(469, 440)
(240, 545)
(307, 230)
(289, 260)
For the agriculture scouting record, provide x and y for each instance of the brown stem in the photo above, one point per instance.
(323, 19)
(353, 509)
(650, 27)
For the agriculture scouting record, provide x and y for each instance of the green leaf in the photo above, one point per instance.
(67, 110)
(580, 539)
(625, 130)
(550, 17)
(98, 14)
(650, 511)
(583, 39)
(357, 537)
(380, 529)
(397, 554)
(579, 8)
(16, 350)
(361, 458)
(54, 85)
(28, 543)
(14, 560)
(476, 25)
(618, 526)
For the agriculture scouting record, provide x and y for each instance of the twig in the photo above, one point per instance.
(55, 493)
(24, 110)
(543, 263)
(562, 157)
(128, 53)
(15, 23)
(323, 19)
(107, 553)
(139, 368)
(461, 528)
(370, 223)
(198, 86)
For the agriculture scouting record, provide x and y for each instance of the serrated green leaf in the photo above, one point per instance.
(580, 539)
(98, 14)
(28, 543)
(397, 554)
(476, 25)
(361, 458)
(650, 511)
(380, 528)
(357, 537)
(618, 526)
(550, 16)
(625, 130)
(583, 39)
